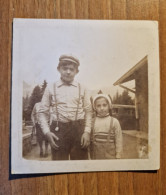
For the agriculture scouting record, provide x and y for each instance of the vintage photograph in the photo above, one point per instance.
(85, 96)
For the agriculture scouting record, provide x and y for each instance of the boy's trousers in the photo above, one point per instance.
(69, 142)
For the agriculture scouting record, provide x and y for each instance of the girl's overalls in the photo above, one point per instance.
(103, 144)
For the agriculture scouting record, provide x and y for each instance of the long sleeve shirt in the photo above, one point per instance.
(102, 125)
(35, 113)
(65, 103)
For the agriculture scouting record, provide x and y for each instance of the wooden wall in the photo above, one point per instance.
(81, 183)
(141, 83)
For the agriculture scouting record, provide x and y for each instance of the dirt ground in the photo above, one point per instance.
(129, 150)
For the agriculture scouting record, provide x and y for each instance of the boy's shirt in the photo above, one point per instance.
(67, 97)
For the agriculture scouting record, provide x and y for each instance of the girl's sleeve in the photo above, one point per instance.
(118, 138)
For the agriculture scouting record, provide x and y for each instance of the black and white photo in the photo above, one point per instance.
(85, 96)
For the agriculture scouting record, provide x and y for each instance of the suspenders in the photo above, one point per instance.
(96, 141)
(56, 108)
(56, 105)
(79, 96)
(110, 130)
(109, 135)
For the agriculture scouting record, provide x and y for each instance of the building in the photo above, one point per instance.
(126, 116)
(139, 73)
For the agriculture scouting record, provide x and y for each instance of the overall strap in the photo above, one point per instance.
(79, 97)
(93, 136)
(93, 151)
(110, 130)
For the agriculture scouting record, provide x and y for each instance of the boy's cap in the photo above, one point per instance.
(102, 96)
(69, 58)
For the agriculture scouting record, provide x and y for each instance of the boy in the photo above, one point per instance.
(70, 116)
(106, 131)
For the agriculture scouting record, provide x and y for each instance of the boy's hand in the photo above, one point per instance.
(51, 137)
(85, 140)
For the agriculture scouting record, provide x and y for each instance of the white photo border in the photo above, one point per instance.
(19, 165)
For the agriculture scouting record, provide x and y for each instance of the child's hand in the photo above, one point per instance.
(85, 140)
(51, 137)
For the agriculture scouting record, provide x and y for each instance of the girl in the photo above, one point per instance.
(106, 131)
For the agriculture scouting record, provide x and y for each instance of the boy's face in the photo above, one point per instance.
(68, 72)
(102, 106)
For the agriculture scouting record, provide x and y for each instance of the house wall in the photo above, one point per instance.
(142, 97)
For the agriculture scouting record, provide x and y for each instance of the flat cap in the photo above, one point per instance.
(69, 58)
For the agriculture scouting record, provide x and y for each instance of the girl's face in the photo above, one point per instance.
(102, 106)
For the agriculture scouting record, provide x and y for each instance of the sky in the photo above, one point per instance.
(106, 49)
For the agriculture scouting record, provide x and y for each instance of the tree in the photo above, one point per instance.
(25, 102)
(35, 97)
(44, 85)
(29, 102)
(116, 98)
(25, 107)
(100, 92)
(124, 98)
